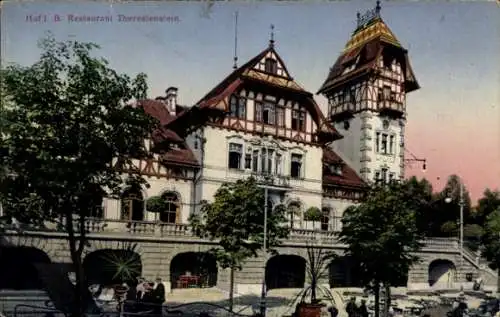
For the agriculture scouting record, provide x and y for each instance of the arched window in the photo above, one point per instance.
(325, 218)
(171, 212)
(132, 204)
(293, 211)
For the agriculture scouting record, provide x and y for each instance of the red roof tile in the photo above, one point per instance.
(156, 109)
(179, 156)
(348, 178)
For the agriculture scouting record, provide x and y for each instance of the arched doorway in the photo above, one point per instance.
(171, 214)
(442, 273)
(18, 268)
(285, 271)
(343, 272)
(193, 269)
(132, 204)
(110, 266)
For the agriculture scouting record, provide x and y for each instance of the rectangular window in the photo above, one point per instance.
(255, 161)
(268, 116)
(234, 106)
(387, 92)
(270, 156)
(258, 111)
(352, 95)
(384, 144)
(296, 166)
(280, 116)
(271, 66)
(377, 142)
(242, 107)
(391, 144)
(277, 164)
(235, 153)
(384, 175)
(298, 120)
(391, 177)
(248, 161)
(377, 177)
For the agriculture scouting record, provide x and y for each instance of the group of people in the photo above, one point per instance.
(149, 296)
(353, 310)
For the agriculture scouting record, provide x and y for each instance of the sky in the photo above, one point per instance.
(453, 120)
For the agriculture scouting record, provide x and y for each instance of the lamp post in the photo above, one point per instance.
(461, 203)
(265, 186)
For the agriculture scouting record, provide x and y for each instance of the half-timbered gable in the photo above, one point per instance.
(366, 90)
(259, 121)
(170, 168)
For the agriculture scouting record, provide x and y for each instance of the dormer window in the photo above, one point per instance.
(336, 169)
(271, 66)
(238, 107)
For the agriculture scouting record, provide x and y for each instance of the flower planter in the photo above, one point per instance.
(309, 310)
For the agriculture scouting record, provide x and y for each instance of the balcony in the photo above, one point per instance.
(143, 230)
(272, 180)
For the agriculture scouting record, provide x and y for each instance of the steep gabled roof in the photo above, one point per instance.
(180, 154)
(253, 72)
(368, 42)
(348, 178)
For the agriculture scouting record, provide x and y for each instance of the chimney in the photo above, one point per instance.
(171, 100)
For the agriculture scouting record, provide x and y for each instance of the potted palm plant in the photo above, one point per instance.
(316, 270)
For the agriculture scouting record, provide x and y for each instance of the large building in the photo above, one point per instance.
(259, 122)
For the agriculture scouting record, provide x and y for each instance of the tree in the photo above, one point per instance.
(381, 235)
(421, 190)
(491, 240)
(489, 203)
(448, 214)
(67, 119)
(235, 219)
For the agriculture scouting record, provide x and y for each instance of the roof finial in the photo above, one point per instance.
(235, 65)
(271, 41)
(377, 8)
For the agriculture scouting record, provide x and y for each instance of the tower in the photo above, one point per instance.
(366, 91)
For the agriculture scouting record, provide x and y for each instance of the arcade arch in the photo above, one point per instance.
(285, 271)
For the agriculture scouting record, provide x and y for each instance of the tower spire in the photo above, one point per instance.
(235, 65)
(271, 40)
(378, 8)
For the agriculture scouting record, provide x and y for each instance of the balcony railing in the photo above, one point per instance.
(272, 179)
(111, 227)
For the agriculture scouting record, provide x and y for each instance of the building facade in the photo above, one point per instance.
(366, 90)
(256, 122)
(259, 122)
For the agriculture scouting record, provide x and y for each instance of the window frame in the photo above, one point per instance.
(300, 166)
(239, 152)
